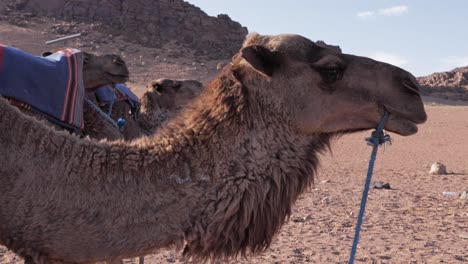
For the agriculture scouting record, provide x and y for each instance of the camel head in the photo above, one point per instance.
(103, 70)
(100, 70)
(171, 95)
(324, 91)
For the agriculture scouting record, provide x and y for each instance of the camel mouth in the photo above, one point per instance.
(117, 78)
(405, 123)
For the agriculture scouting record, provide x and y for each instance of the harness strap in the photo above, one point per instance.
(110, 120)
(377, 139)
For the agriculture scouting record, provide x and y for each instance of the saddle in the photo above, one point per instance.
(108, 95)
(52, 85)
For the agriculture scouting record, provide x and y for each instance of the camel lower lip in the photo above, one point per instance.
(416, 117)
(119, 76)
(401, 126)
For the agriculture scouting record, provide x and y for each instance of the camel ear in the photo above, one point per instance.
(260, 58)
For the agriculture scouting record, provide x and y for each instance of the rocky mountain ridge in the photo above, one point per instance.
(152, 23)
(451, 85)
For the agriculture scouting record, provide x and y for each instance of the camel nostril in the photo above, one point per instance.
(118, 61)
(411, 85)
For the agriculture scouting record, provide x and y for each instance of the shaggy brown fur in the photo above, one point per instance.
(221, 177)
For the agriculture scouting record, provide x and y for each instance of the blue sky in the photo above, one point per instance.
(421, 36)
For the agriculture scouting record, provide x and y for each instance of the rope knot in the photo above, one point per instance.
(379, 139)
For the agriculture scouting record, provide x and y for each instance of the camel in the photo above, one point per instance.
(97, 71)
(100, 70)
(219, 180)
(163, 99)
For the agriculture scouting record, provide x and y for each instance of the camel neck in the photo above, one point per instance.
(222, 176)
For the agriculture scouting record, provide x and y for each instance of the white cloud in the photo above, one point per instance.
(391, 58)
(390, 11)
(394, 10)
(454, 62)
(365, 14)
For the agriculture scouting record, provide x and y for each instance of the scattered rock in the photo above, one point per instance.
(325, 200)
(303, 219)
(464, 195)
(450, 194)
(380, 185)
(438, 169)
(464, 235)
(325, 181)
(307, 217)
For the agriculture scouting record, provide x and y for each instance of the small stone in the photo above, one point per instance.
(380, 185)
(450, 194)
(438, 169)
(464, 195)
(325, 200)
(307, 217)
(325, 181)
(464, 235)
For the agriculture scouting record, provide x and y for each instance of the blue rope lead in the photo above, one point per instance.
(378, 138)
(102, 113)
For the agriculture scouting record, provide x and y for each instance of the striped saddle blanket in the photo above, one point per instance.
(52, 85)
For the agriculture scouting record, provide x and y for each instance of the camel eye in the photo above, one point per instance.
(330, 75)
(85, 60)
(158, 88)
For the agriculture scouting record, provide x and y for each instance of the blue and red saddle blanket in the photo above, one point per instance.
(51, 85)
(109, 95)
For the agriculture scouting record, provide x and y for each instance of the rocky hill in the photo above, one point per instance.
(452, 85)
(152, 23)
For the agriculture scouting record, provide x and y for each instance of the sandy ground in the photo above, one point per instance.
(411, 223)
